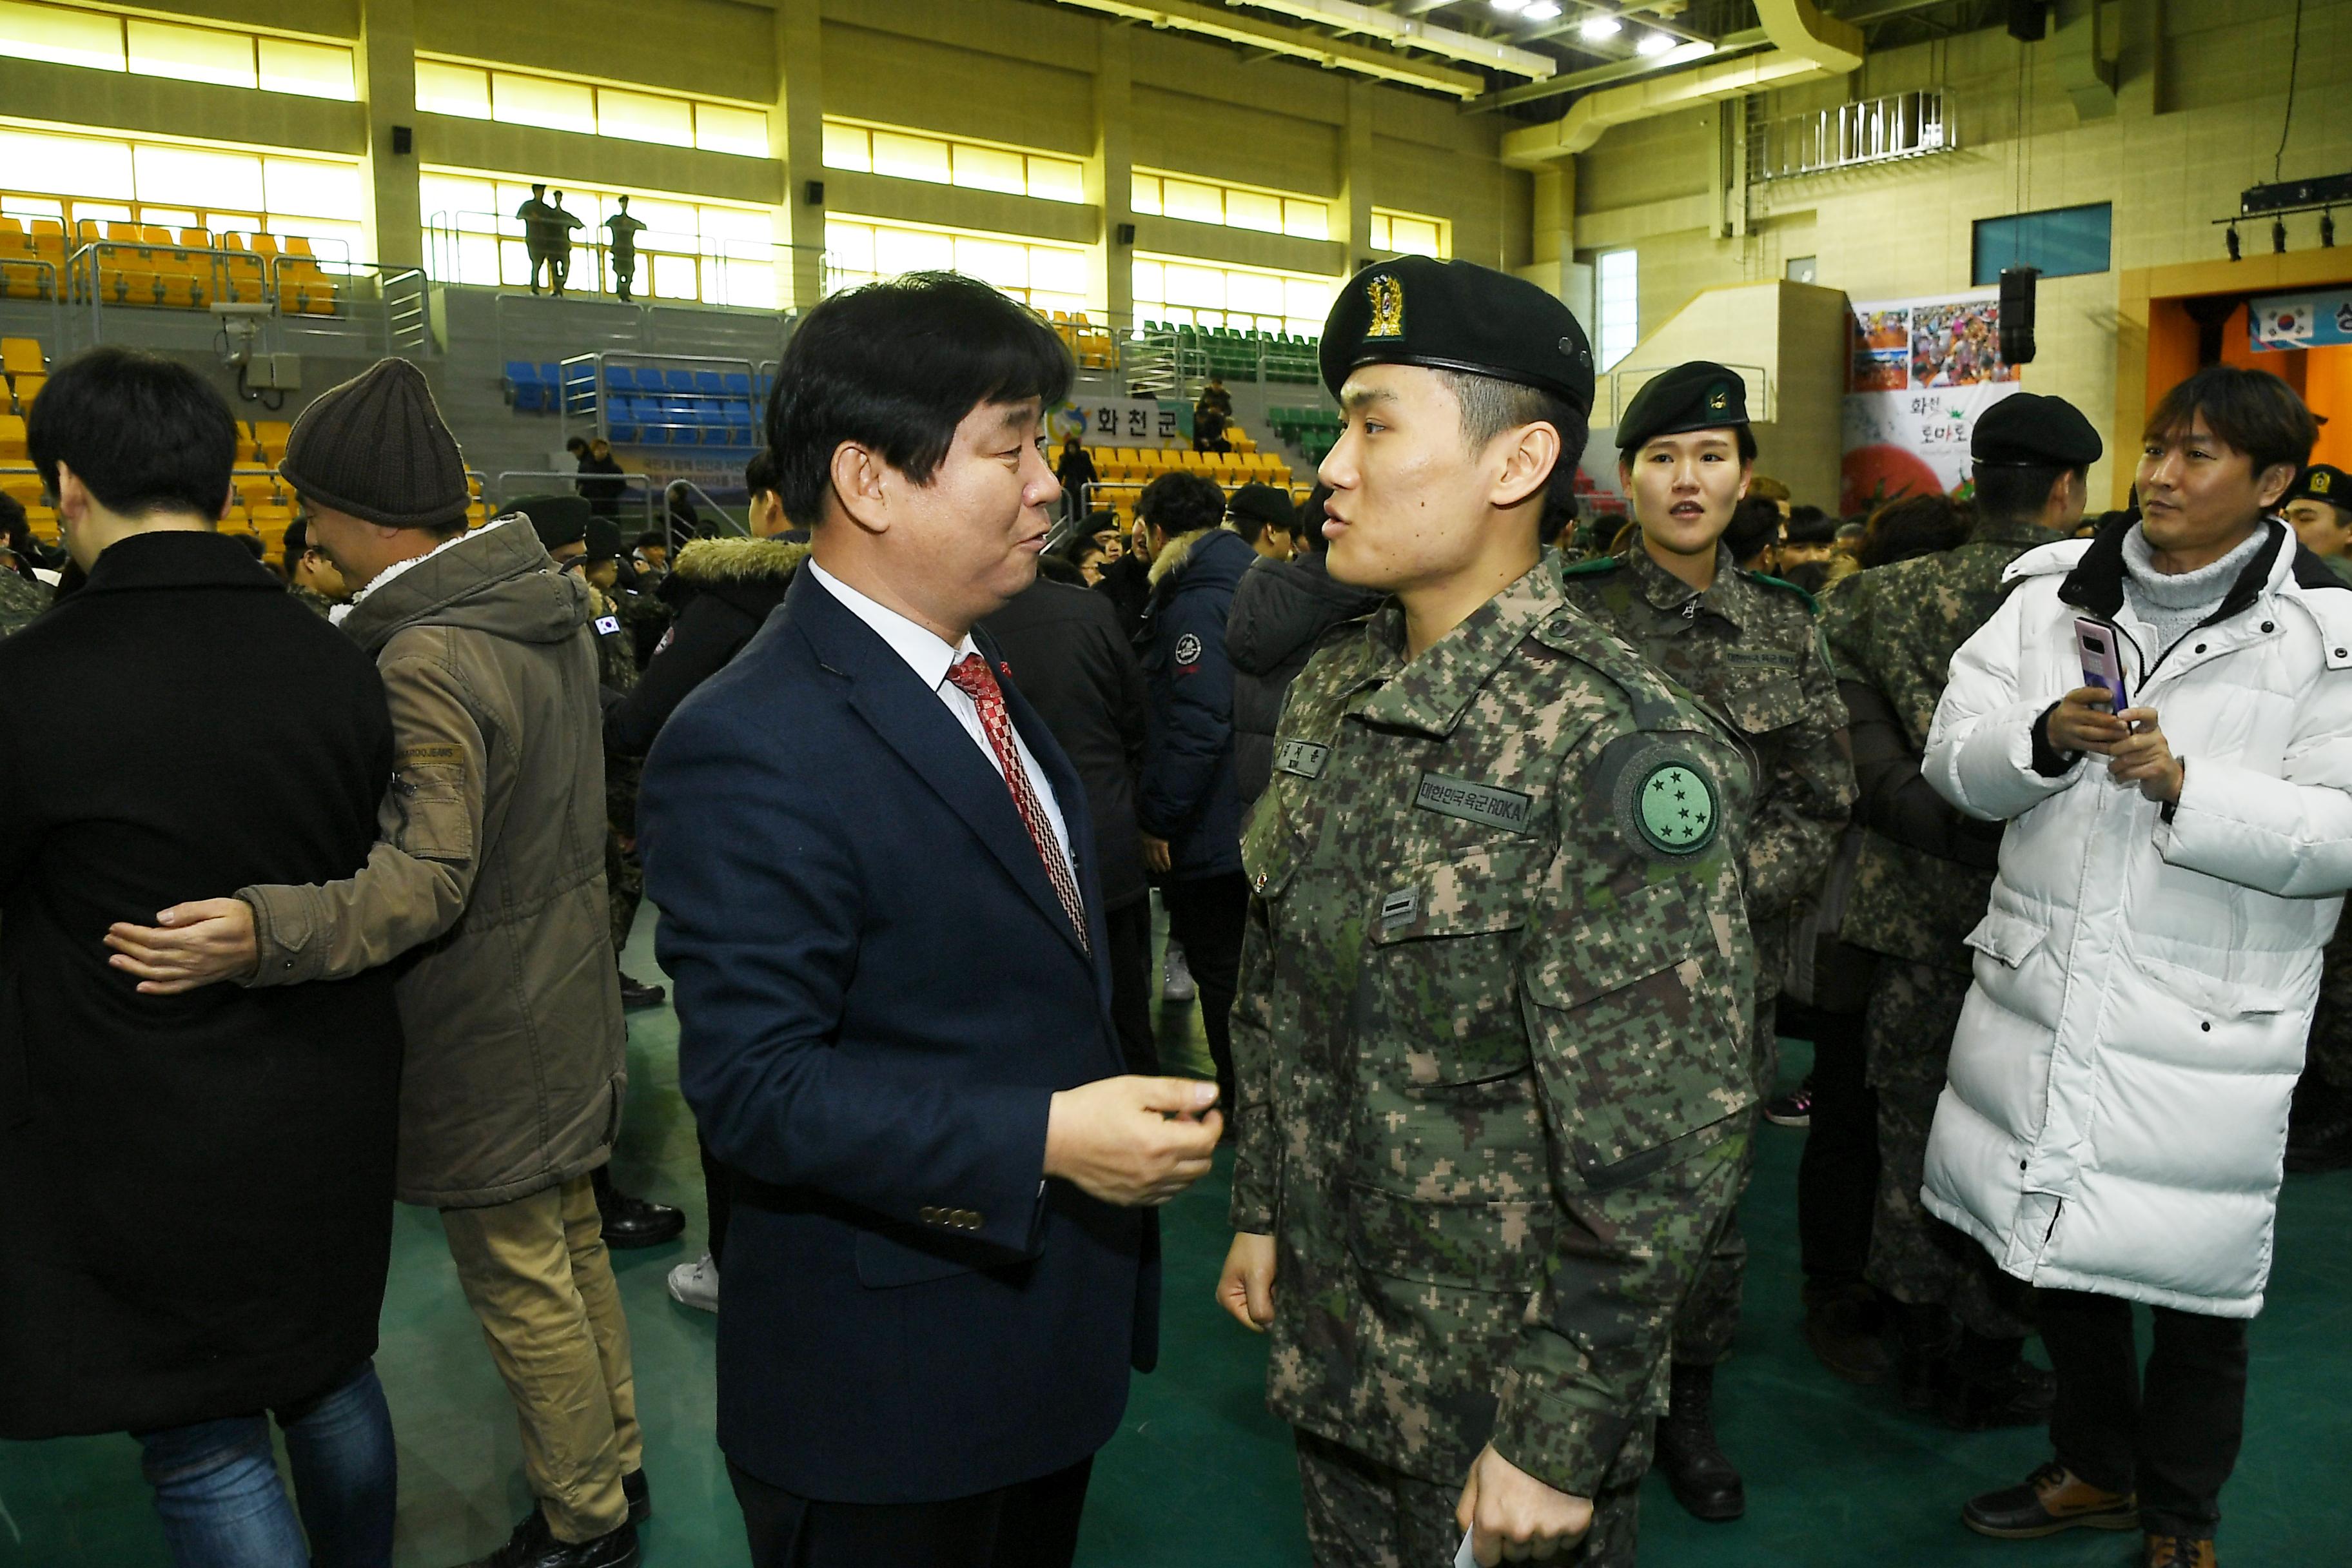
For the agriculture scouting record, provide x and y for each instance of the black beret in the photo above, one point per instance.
(557, 519)
(1698, 395)
(1262, 503)
(2027, 430)
(2322, 482)
(1457, 315)
(604, 538)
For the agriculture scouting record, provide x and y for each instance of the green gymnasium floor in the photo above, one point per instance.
(1200, 1475)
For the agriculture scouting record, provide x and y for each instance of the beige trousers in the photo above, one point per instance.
(538, 1277)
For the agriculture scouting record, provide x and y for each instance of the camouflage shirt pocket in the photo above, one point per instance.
(1439, 995)
(1765, 700)
(1498, 1246)
(1640, 1017)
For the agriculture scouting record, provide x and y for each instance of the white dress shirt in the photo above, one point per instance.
(930, 658)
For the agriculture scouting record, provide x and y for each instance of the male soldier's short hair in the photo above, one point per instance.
(1491, 406)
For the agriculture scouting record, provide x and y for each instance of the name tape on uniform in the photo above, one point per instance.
(1303, 758)
(1489, 805)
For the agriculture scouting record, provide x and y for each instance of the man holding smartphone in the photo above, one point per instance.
(2114, 1123)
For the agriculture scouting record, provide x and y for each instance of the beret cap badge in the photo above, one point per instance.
(2320, 483)
(1387, 296)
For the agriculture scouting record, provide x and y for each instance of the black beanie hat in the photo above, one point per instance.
(377, 448)
(604, 538)
(558, 520)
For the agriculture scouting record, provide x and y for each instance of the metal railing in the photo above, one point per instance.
(659, 400)
(309, 301)
(640, 495)
(492, 249)
(36, 281)
(1850, 136)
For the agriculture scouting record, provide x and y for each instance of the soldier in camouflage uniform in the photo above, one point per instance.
(20, 602)
(1748, 648)
(310, 577)
(616, 665)
(2319, 1136)
(1894, 628)
(1492, 1035)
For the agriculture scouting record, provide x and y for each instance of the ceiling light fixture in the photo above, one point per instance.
(1655, 44)
(1509, 7)
(1542, 10)
(1599, 28)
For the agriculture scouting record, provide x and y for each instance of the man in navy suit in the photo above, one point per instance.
(874, 867)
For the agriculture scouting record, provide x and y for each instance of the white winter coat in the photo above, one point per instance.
(2115, 1117)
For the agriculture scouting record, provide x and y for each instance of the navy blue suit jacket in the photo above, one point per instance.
(878, 994)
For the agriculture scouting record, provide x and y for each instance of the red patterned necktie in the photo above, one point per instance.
(972, 678)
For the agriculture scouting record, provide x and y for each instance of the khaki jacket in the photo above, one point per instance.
(490, 864)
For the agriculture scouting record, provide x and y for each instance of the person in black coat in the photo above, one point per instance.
(1283, 612)
(200, 1183)
(603, 494)
(1069, 659)
(1127, 583)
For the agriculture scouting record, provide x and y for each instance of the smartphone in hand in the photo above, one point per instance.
(2102, 662)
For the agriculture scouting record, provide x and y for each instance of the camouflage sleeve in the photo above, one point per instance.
(1256, 1149)
(1636, 979)
(1845, 627)
(1803, 799)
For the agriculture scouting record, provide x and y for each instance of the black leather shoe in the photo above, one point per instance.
(1926, 1339)
(640, 1496)
(2052, 1498)
(636, 995)
(634, 1222)
(1701, 1478)
(1992, 1385)
(1846, 1327)
(532, 1546)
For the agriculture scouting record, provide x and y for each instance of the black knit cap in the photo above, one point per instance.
(558, 520)
(1699, 394)
(377, 448)
(1456, 315)
(1262, 503)
(604, 537)
(2033, 430)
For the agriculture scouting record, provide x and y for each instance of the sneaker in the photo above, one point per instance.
(1176, 977)
(696, 1284)
(2052, 1498)
(2179, 1551)
(1794, 1108)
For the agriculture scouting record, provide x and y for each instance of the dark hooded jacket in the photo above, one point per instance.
(1282, 612)
(721, 590)
(1189, 793)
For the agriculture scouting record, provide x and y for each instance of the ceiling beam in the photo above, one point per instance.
(1625, 11)
(1730, 44)
(1332, 54)
(1410, 32)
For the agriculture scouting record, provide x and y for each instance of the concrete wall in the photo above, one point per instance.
(2199, 103)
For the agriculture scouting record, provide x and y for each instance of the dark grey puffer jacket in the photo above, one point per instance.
(1282, 612)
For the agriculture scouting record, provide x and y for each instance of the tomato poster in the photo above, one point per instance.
(1919, 374)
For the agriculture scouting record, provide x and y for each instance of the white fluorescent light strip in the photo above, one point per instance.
(1599, 28)
(1655, 44)
(1412, 31)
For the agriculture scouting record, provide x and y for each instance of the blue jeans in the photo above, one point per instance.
(217, 1490)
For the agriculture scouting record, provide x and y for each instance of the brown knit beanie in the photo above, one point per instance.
(377, 448)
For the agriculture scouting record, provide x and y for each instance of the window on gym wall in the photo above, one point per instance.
(74, 177)
(472, 91)
(905, 155)
(1044, 276)
(2063, 242)
(106, 41)
(1617, 300)
(713, 253)
(1197, 200)
(1411, 234)
(1170, 291)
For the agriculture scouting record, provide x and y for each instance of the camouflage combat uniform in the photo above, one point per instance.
(1896, 628)
(1492, 1050)
(625, 875)
(1749, 649)
(20, 602)
(313, 600)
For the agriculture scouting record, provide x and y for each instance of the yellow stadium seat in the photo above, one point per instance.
(269, 434)
(24, 389)
(12, 438)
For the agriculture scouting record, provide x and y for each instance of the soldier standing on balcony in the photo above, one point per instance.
(623, 230)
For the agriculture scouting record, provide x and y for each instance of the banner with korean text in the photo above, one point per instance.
(1919, 374)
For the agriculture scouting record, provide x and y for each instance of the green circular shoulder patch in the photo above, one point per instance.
(1677, 807)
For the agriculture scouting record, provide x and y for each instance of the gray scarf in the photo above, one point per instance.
(2173, 603)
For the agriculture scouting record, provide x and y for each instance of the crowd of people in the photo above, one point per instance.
(1499, 859)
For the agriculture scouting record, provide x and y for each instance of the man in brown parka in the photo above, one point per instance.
(489, 872)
